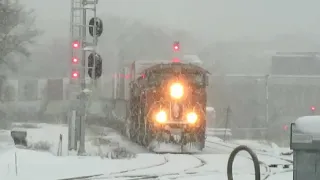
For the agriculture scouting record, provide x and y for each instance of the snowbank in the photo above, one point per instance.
(308, 124)
(103, 142)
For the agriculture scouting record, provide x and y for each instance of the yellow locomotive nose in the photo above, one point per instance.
(176, 90)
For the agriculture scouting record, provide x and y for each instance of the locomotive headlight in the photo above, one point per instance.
(176, 90)
(192, 117)
(161, 117)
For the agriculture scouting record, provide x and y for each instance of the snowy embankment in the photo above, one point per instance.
(99, 141)
(42, 165)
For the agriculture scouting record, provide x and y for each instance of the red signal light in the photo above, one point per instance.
(176, 46)
(127, 76)
(75, 44)
(285, 127)
(75, 74)
(75, 60)
(313, 108)
(175, 60)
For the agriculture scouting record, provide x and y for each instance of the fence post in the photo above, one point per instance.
(59, 153)
(227, 122)
(16, 163)
(60, 144)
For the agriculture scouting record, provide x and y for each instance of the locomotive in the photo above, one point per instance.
(166, 103)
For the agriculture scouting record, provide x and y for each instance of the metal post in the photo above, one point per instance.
(267, 98)
(73, 130)
(70, 136)
(79, 21)
(75, 34)
(95, 44)
(227, 122)
(83, 79)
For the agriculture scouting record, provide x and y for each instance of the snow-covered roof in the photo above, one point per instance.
(308, 124)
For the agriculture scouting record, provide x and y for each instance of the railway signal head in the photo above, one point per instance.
(75, 44)
(98, 27)
(94, 63)
(176, 46)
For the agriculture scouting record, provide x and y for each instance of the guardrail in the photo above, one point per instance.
(219, 132)
(250, 133)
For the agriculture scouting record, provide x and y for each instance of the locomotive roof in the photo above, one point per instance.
(182, 67)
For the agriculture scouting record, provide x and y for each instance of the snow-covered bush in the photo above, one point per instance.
(40, 146)
(120, 153)
(101, 141)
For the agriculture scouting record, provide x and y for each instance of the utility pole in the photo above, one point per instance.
(80, 45)
(267, 98)
(267, 106)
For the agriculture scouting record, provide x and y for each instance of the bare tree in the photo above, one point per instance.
(140, 41)
(17, 33)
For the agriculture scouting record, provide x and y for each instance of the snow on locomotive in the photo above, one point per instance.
(166, 104)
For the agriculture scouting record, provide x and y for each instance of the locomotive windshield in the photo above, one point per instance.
(197, 78)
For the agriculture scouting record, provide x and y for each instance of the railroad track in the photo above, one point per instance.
(156, 170)
(258, 151)
(167, 168)
(170, 164)
(268, 166)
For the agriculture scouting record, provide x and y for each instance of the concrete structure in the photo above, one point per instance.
(305, 142)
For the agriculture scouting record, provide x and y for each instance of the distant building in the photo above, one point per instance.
(295, 63)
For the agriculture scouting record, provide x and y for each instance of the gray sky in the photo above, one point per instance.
(209, 19)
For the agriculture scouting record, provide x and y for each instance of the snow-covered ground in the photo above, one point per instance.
(211, 164)
(263, 146)
(99, 140)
